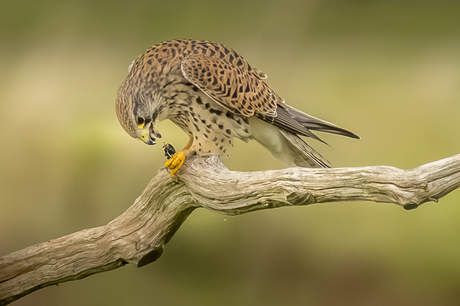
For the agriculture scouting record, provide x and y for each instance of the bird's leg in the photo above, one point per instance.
(189, 143)
(176, 161)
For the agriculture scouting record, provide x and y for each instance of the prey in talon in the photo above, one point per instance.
(169, 150)
(214, 95)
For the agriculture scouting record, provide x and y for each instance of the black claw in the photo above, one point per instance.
(169, 150)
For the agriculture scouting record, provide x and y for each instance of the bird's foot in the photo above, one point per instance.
(177, 159)
(175, 162)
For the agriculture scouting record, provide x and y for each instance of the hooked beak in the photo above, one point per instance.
(150, 138)
(149, 141)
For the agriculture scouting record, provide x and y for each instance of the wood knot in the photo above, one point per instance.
(410, 206)
(150, 257)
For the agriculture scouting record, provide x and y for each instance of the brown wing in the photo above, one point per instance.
(236, 88)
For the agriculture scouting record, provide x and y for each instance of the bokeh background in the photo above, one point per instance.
(387, 70)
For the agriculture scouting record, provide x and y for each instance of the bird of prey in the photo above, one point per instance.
(214, 95)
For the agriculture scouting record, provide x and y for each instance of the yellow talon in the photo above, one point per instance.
(175, 162)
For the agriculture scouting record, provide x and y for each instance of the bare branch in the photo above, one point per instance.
(138, 235)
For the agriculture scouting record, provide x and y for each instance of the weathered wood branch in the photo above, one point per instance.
(138, 235)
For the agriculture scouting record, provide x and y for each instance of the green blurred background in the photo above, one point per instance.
(387, 70)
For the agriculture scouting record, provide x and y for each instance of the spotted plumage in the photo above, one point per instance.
(214, 95)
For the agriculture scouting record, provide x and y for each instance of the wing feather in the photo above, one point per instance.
(235, 87)
(224, 76)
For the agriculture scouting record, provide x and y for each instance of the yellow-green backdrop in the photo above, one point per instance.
(387, 70)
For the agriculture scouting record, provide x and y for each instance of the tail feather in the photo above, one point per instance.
(305, 156)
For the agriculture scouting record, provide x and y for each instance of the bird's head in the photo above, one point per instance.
(137, 115)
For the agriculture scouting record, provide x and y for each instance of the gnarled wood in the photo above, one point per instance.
(138, 235)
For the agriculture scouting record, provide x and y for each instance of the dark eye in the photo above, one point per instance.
(140, 122)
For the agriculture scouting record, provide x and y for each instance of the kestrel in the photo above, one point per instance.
(214, 95)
